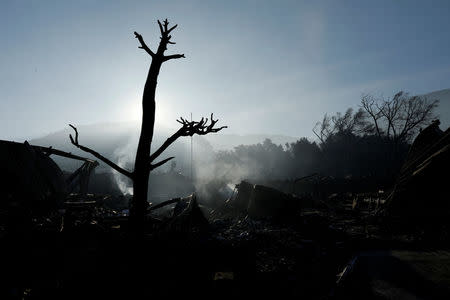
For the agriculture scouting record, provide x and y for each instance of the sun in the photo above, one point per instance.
(131, 111)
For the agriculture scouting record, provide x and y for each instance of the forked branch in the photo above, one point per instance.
(154, 166)
(165, 39)
(201, 128)
(189, 128)
(175, 56)
(164, 28)
(143, 44)
(97, 155)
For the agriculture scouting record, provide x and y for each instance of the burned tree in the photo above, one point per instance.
(146, 162)
(400, 118)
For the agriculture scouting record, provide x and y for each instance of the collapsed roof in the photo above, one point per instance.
(32, 180)
(422, 185)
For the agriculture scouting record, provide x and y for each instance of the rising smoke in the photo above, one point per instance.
(124, 156)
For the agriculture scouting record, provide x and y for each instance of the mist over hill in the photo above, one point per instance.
(223, 141)
(118, 142)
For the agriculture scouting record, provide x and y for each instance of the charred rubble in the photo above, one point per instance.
(60, 242)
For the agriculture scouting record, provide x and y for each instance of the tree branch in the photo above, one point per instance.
(318, 136)
(200, 128)
(97, 155)
(154, 166)
(168, 31)
(166, 144)
(189, 128)
(165, 39)
(368, 103)
(143, 44)
(175, 56)
(165, 203)
(161, 28)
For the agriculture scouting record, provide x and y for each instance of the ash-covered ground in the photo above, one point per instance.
(332, 251)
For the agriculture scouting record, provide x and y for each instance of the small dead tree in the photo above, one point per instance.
(145, 162)
(368, 104)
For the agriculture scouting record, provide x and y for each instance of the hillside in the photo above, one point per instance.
(443, 109)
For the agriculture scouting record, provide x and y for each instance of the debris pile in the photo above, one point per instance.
(422, 186)
(259, 202)
(31, 180)
(331, 245)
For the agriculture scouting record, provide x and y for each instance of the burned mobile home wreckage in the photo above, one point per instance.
(34, 182)
(325, 248)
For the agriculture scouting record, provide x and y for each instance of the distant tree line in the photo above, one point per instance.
(371, 142)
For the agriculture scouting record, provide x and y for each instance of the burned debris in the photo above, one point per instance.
(313, 238)
(32, 181)
(259, 202)
(421, 189)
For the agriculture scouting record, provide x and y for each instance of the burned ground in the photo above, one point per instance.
(260, 241)
(89, 252)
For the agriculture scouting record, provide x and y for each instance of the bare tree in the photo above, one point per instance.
(401, 117)
(145, 162)
(323, 129)
(349, 122)
(368, 103)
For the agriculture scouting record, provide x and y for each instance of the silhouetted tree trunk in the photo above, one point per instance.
(142, 164)
(144, 161)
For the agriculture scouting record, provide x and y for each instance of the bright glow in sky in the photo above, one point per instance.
(261, 66)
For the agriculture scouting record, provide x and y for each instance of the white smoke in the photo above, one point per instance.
(124, 157)
(210, 176)
(215, 179)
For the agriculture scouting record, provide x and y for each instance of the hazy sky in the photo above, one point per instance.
(262, 66)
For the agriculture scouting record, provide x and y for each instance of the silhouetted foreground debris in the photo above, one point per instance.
(399, 274)
(260, 242)
(422, 187)
(260, 201)
(31, 181)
